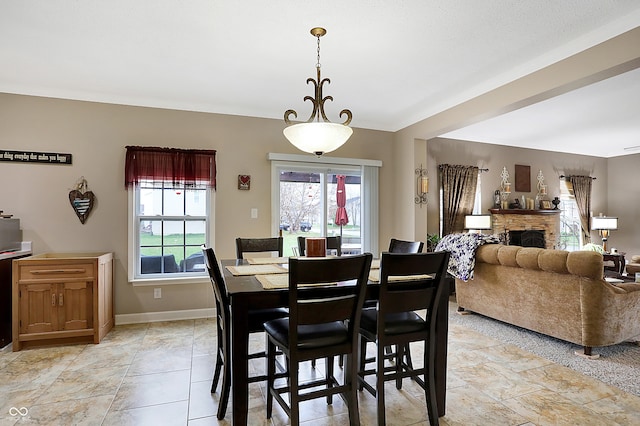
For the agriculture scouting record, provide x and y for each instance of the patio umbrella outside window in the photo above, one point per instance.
(341, 201)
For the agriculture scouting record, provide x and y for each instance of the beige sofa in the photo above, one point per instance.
(554, 292)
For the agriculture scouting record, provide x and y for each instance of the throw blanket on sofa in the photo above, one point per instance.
(463, 252)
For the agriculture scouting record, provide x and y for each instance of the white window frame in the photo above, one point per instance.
(369, 189)
(133, 233)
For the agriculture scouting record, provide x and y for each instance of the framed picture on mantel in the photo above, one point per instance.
(523, 178)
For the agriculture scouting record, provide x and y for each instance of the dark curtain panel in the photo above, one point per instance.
(179, 166)
(458, 195)
(582, 192)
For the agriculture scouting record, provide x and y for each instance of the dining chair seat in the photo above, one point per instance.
(309, 336)
(395, 323)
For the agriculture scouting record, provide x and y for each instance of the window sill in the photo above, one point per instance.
(141, 282)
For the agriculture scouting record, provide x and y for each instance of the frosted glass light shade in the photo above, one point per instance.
(318, 137)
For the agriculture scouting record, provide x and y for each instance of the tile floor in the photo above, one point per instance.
(160, 374)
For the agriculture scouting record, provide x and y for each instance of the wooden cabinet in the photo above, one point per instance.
(62, 298)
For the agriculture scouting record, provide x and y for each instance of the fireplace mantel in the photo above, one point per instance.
(524, 211)
(506, 220)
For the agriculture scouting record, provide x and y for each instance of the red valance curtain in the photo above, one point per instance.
(179, 166)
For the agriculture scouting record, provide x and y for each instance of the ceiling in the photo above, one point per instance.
(392, 63)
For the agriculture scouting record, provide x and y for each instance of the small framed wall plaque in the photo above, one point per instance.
(523, 178)
(244, 182)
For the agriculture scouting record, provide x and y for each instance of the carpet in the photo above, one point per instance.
(618, 365)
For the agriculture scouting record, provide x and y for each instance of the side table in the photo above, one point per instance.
(617, 259)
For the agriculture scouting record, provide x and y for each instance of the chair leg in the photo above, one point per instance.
(294, 392)
(362, 361)
(380, 385)
(430, 385)
(399, 367)
(350, 378)
(328, 376)
(226, 388)
(271, 375)
(216, 373)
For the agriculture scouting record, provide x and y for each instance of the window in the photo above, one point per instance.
(169, 211)
(171, 226)
(570, 228)
(305, 200)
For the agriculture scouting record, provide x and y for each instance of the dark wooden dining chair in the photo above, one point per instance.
(333, 243)
(401, 246)
(255, 245)
(223, 324)
(319, 326)
(395, 323)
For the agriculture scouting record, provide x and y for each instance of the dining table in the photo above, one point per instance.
(246, 292)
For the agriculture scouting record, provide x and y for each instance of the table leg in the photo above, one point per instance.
(239, 361)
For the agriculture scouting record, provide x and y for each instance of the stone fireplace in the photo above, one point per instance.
(516, 221)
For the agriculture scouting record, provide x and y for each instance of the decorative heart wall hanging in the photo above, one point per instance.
(82, 200)
(244, 182)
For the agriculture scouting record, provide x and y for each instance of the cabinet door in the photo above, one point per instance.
(75, 305)
(38, 308)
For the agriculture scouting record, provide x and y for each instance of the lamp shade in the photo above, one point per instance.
(604, 222)
(477, 221)
(317, 137)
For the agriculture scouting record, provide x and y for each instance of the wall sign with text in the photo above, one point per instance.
(35, 157)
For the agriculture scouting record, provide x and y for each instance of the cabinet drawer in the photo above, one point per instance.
(71, 270)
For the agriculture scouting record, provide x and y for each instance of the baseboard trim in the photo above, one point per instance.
(145, 317)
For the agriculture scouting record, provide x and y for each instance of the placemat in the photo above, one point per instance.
(256, 269)
(374, 276)
(267, 260)
(278, 281)
(375, 264)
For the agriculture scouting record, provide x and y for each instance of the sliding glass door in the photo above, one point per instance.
(308, 203)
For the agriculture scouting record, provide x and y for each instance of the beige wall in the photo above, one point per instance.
(623, 200)
(612, 194)
(96, 134)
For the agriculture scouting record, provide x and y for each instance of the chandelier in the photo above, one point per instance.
(317, 135)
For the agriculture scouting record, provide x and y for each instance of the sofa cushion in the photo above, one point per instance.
(555, 261)
(488, 253)
(507, 255)
(527, 258)
(586, 264)
(635, 258)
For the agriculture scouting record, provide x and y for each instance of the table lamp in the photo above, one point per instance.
(475, 223)
(604, 225)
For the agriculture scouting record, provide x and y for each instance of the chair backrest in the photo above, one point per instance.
(333, 243)
(400, 246)
(309, 310)
(158, 264)
(254, 245)
(218, 284)
(189, 264)
(404, 295)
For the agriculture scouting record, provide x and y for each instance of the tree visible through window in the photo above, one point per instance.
(570, 233)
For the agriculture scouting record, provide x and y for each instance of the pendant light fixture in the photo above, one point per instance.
(317, 135)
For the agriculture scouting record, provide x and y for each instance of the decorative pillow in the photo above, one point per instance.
(592, 247)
